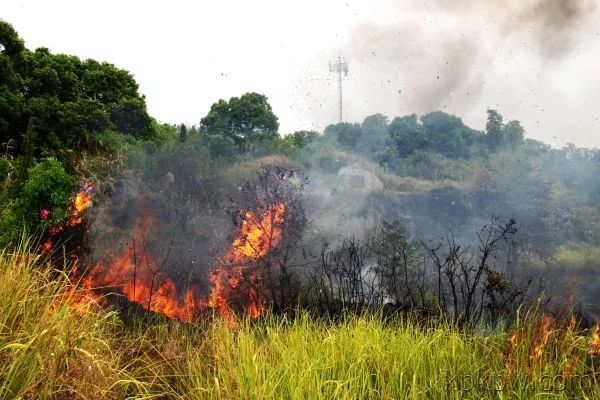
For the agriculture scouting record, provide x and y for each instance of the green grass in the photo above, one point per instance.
(56, 343)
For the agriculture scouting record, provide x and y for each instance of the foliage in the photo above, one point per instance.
(407, 134)
(493, 130)
(48, 187)
(183, 134)
(245, 120)
(52, 102)
(220, 146)
(578, 255)
(447, 135)
(397, 264)
(346, 134)
(129, 116)
(57, 343)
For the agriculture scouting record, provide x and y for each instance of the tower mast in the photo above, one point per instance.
(338, 67)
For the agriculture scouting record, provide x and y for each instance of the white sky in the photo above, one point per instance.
(185, 55)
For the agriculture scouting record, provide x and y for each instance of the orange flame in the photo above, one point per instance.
(595, 348)
(79, 204)
(46, 246)
(140, 278)
(547, 330)
(257, 236)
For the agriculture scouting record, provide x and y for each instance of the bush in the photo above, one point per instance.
(48, 187)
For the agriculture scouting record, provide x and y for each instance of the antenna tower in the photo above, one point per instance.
(339, 67)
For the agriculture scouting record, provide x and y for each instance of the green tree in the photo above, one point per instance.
(220, 146)
(407, 134)
(514, 133)
(397, 264)
(183, 134)
(346, 134)
(375, 125)
(446, 134)
(245, 120)
(61, 101)
(374, 134)
(494, 130)
(130, 117)
(12, 45)
(11, 102)
(294, 142)
(48, 187)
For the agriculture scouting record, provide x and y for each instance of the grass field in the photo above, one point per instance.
(56, 343)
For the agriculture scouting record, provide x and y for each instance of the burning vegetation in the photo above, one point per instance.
(80, 202)
(254, 270)
(237, 276)
(595, 347)
(139, 275)
(151, 272)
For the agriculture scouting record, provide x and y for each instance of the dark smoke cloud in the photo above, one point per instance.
(555, 25)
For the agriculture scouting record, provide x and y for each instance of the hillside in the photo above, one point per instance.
(403, 257)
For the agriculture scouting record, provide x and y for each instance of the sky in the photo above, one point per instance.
(537, 61)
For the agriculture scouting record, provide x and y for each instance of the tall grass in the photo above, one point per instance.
(56, 344)
(52, 341)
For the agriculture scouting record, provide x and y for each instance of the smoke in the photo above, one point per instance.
(555, 25)
(428, 74)
(521, 57)
(446, 63)
(168, 213)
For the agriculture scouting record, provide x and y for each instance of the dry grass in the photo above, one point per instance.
(56, 344)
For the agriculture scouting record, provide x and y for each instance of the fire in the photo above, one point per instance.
(595, 348)
(140, 277)
(79, 204)
(531, 342)
(547, 331)
(46, 246)
(257, 236)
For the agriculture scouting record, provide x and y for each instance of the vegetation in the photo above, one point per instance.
(387, 309)
(56, 343)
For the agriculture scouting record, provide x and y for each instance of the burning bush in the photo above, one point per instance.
(153, 268)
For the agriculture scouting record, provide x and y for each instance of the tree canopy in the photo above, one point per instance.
(245, 120)
(53, 102)
(407, 134)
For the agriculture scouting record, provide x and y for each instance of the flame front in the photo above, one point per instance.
(139, 276)
(595, 348)
(546, 332)
(256, 237)
(79, 204)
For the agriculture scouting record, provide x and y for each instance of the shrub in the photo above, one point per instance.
(48, 187)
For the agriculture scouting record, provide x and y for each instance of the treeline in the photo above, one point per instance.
(55, 108)
(437, 131)
(64, 120)
(52, 102)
